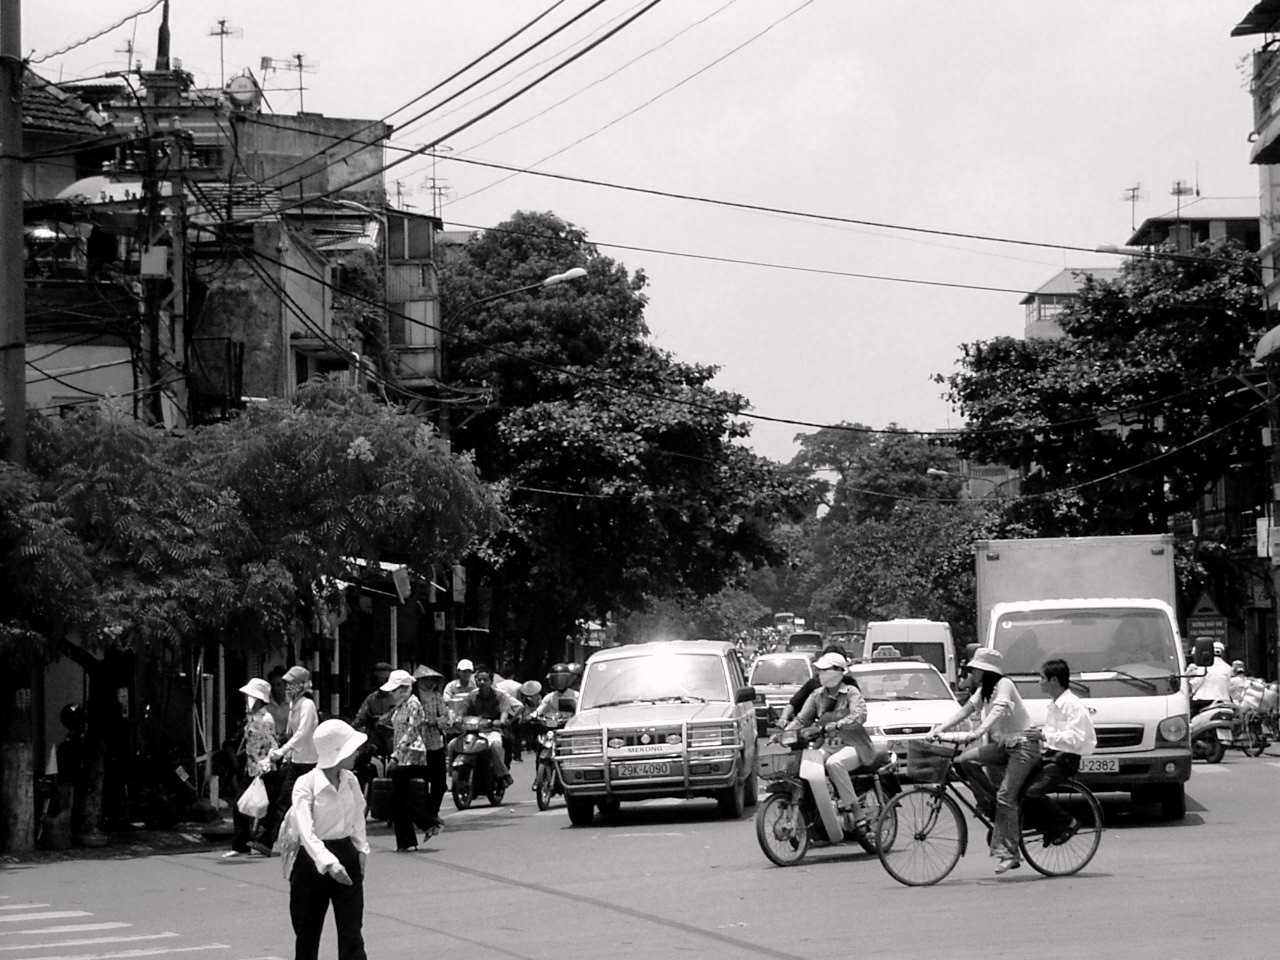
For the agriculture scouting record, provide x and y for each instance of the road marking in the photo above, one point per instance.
(47, 915)
(91, 940)
(68, 928)
(23, 906)
(122, 954)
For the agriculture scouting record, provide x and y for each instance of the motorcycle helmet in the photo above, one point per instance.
(559, 677)
(73, 716)
(575, 674)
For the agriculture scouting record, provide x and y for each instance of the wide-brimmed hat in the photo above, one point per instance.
(398, 678)
(423, 672)
(466, 665)
(297, 674)
(989, 660)
(531, 688)
(335, 740)
(257, 688)
(831, 661)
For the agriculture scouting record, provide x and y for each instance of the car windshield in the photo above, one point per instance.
(654, 677)
(1126, 641)
(902, 685)
(790, 670)
(931, 653)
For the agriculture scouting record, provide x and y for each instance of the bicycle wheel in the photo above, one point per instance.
(781, 830)
(884, 830)
(931, 836)
(1064, 859)
(1255, 737)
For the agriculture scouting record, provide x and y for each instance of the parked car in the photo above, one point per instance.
(905, 700)
(660, 720)
(776, 677)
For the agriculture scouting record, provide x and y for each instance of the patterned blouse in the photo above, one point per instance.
(406, 720)
(435, 716)
(259, 740)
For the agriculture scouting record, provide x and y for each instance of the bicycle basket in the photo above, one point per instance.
(778, 764)
(928, 762)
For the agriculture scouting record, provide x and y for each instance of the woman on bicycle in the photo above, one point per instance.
(1007, 751)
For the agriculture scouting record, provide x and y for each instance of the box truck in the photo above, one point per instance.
(1106, 605)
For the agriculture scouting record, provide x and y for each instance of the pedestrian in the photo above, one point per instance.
(409, 756)
(333, 849)
(374, 720)
(436, 721)
(256, 744)
(278, 705)
(297, 755)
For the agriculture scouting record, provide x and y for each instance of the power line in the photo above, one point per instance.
(80, 43)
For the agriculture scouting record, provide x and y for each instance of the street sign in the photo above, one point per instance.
(1215, 628)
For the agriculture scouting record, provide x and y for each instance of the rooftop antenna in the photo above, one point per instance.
(437, 189)
(1131, 196)
(222, 31)
(295, 63)
(1181, 189)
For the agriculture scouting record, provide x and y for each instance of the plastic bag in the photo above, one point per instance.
(253, 802)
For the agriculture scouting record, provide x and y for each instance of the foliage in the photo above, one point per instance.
(1131, 417)
(618, 466)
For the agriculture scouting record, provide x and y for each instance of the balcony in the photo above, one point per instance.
(1266, 107)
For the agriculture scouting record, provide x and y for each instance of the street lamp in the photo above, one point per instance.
(968, 478)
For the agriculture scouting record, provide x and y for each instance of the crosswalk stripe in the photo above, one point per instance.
(123, 954)
(47, 915)
(88, 941)
(68, 928)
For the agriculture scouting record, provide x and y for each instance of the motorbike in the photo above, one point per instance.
(546, 781)
(472, 769)
(801, 804)
(1211, 731)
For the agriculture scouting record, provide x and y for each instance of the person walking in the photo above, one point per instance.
(256, 745)
(409, 755)
(374, 720)
(436, 721)
(278, 705)
(333, 848)
(297, 755)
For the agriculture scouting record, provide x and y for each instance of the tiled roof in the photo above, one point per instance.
(46, 107)
(1069, 281)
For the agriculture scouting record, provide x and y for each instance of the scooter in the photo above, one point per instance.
(472, 768)
(801, 806)
(546, 782)
(1211, 731)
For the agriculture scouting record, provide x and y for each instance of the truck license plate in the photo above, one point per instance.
(641, 769)
(1099, 765)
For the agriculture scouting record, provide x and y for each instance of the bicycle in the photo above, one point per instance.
(932, 833)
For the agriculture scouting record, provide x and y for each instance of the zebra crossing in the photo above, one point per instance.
(44, 931)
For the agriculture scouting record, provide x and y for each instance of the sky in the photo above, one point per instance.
(1016, 120)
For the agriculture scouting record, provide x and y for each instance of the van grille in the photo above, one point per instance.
(1109, 737)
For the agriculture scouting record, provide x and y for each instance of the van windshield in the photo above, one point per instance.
(933, 653)
(1133, 641)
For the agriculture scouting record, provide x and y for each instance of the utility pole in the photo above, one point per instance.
(17, 773)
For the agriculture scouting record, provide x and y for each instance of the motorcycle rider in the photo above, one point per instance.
(456, 691)
(373, 719)
(491, 704)
(840, 710)
(560, 679)
(1214, 683)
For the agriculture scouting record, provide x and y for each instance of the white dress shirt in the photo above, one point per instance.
(326, 812)
(1067, 726)
(303, 720)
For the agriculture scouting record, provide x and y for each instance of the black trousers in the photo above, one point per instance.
(403, 815)
(289, 773)
(1040, 810)
(437, 782)
(311, 892)
(244, 825)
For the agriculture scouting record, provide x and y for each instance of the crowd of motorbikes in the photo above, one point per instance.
(1225, 724)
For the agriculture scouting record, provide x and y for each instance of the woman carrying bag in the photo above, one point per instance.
(328, 814)
(262, 782)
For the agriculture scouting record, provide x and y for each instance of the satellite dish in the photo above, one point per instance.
(243, 92)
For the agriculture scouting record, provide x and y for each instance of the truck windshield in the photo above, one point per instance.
(1127, 641)
(654, 678)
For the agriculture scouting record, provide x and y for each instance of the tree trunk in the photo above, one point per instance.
(17, 772)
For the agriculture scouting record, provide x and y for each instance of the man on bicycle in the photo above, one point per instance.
(1068, 735)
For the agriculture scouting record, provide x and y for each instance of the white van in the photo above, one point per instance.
(929, 639)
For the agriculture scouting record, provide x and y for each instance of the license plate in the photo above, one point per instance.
(642, 769)
(1224, 734)
(1099, 765)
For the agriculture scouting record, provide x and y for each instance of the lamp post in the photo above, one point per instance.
(969, 478)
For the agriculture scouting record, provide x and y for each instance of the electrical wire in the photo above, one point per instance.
(651, 100)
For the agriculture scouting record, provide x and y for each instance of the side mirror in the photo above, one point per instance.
(745, 695)
(1202, 654)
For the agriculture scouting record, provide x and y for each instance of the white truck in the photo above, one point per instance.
(1106, 606)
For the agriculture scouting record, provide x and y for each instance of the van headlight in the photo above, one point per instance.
(1173, 729)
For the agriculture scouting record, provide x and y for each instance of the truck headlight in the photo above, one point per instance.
(1173, 729)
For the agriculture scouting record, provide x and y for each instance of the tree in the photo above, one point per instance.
(1132, 416)
(618, 467)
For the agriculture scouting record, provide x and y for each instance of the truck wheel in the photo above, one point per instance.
(581, 812)
(1173, 802)
(733, 801)
(753, 788)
